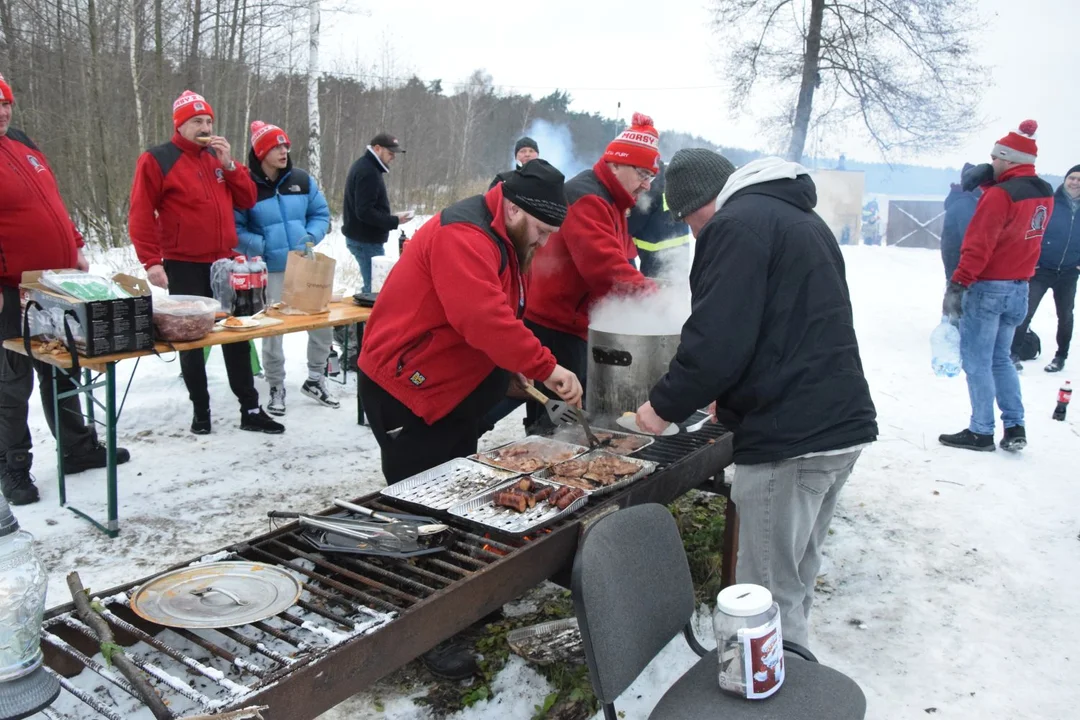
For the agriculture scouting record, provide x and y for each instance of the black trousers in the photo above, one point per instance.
(418, 446)
(1063, 284)
(17, 385)
(192, 278)
(572, 353)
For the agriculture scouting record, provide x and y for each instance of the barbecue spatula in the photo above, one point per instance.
(561, 413)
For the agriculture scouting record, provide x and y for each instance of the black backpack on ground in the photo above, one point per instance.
(1030, 347)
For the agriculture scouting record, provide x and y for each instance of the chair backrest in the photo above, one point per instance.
(632, 594)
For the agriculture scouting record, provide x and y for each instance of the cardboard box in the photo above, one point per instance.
(99, 327)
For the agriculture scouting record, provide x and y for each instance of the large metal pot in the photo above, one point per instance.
(622, 371)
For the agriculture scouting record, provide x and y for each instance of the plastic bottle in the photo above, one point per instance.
(23, 583)
(945, 349)
(258, 284)
(1064, 395)
(749, 642)
(241, 285)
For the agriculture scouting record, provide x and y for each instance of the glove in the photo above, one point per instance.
(977, 177)
(951, 307)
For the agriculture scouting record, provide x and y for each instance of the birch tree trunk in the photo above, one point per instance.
(314, 133)
(133, 56)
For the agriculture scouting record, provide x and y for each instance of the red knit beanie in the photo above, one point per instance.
(1019, 145)
(638, 145)
(187, 106)
(265, 137)
(5, 91)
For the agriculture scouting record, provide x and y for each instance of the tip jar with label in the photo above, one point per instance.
(749, 643)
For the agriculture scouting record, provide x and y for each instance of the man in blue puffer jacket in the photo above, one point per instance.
(1057, 269)
(291, 212)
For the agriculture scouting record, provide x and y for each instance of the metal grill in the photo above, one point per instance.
(359, 617)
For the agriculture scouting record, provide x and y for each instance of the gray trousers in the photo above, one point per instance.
(784, 513)
(273, 353)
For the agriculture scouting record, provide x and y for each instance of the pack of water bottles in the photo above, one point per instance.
(239, 285)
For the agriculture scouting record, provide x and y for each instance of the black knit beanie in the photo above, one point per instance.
(695, 177)
(526, 142)
(537, 188)
(1074, 168)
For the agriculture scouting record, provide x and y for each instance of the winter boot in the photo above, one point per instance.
(1015, 439)
(200, 423)
(16, 482)
(316, 390)
(95, 457)
(967, 440)
(1056, 365)
(276, 406)
(255, 420)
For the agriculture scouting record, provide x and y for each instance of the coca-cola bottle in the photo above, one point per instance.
(257, 268)
(241, 285)
(1064, 395)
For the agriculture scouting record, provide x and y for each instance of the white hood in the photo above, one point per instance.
(759, 171)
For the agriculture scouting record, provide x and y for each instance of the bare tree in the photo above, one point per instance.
(314, 132)
(903, 68)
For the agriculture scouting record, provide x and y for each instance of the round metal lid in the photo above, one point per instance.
(216, 595)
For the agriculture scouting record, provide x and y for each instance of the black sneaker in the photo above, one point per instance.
(200, 422)
(451, 660)
(16, 482)
(316, 390)
(1016, 363)
(96, 457)
(967, 440)
(258, 421)
(1056, 365)
(1015, 439)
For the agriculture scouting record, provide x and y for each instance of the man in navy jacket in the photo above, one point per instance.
(290, 212)
(1057, 268)
(959, 209)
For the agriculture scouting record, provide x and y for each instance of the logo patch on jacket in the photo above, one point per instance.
(417, 379)
(35, 163)
(1038, 223)
(220, 174)
(294, 188)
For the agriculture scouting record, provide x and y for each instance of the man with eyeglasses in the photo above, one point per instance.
(592, 254)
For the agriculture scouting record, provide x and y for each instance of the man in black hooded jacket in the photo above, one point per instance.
(771, 344)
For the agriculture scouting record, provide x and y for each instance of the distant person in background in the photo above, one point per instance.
(988, 293)
(1057, 269)
(959, 209)
(367, 218)
(663, 243)
(525, 149)
(36, 233)
(290, 212)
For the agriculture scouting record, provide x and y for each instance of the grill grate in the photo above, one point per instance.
(673, 448)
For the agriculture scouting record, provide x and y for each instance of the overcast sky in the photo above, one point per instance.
(660, 58)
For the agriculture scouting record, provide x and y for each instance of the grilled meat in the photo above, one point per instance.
(512, 500)
(571, 468)
(569, 498)
(578, 482)
(612, 465)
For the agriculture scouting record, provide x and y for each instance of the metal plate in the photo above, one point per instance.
(549, 642)
(647, 468)
(483, 511)
(629, 421)
(216, 595)
(543, 448)
(448, 484)
(576, 434)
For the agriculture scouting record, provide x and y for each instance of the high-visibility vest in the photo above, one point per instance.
(662, 244)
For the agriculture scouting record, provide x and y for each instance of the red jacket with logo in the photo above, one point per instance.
(450, 312)
(182, 204)
(588, 258)
(1005, 235)
(36, 232)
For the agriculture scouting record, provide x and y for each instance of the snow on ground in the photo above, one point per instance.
(951, 580)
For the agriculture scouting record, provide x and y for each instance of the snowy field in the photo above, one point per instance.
(951, 587)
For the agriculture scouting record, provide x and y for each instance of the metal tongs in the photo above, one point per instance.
(594, 442)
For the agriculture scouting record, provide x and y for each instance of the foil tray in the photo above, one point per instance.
(647, 468)
(449, 484)
(543, 448)
(549, 642)
(483, 511)
(576, 434)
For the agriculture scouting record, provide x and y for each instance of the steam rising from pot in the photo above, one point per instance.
(661, 313)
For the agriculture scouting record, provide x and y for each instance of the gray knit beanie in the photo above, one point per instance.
(695, 177)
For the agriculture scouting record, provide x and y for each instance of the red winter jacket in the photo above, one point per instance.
(182, 204)
(1004, 237)
(449, 313)
(588, 257)
(36, 232)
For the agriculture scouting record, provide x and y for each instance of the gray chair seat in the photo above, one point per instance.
(810, 692)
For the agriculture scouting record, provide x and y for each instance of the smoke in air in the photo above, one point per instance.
(659, 313)
(556, 146)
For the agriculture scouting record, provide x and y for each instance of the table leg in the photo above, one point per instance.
(59, 439)
(113, 524)
(731, 545)
(360, 420)
(88, 382)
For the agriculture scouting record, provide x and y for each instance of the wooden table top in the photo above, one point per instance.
(340, 313)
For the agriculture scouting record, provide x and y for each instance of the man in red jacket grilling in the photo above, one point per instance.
(446, 330)
(36, 233)
(181, 221)
(592, 254)
(988, 294)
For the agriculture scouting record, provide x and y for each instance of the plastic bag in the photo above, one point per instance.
(945, 349)
(83, 286)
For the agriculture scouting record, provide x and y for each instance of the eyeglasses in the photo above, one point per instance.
(644, 175)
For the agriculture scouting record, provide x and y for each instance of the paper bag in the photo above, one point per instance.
(309, 284)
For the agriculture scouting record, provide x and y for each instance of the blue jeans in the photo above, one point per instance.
(363, 252)
(992, 310)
